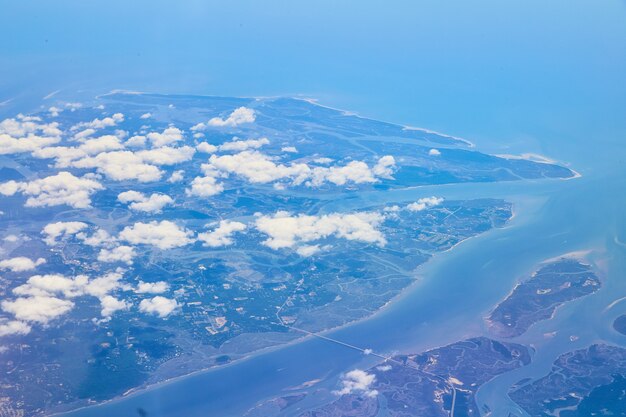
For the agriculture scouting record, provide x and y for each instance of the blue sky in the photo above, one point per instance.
(480, 68)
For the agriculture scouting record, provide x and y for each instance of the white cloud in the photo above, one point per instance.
(424, 203)
(357, 382)
(11, 145)
(136, 141)
(99, 238)
(260, 168)
(47, 290)
(61, 229)
(84, 134)
(101, 123)
(206, 147)
(21, 264)
(176, 176)
(222, 235)
(257, 167)
(243, 145)
(290, 149)
(13, 327)
(308, 250)
(158, 305)
(152, 287)
(121, 166)
(204, 187)
(140, 202)
(167, 137)
(124, 254)
(111, 304)
(24, 126)
(145, 116)
(101, 144)
(287, 231)
(384, 167)
(434, 152)
(63, 188)
(238, 117)
(323, 161)
(166, 155)
(39, 309)
(163, 235)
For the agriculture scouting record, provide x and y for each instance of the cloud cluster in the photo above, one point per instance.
(140, 202)
(100, 123)
(159, 306)
(357, 382)
(55, 190)
(13, 327)
(424, 203)
(46, 297)
(239, 116)
(27, 134)
(158, 287)
(164, 234)
(222, 235)
(239, 145)
(123, 253)
(53, 231)
(256, 167)
(167, 137)
(285, 230)
(20, 264)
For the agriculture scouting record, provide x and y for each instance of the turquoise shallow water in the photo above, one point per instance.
(520, 76)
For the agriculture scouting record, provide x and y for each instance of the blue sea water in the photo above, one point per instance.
(512, 77)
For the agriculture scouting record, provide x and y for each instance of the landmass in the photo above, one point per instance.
(439, 382)
(585, 382)
(145, 237)
(537, 298)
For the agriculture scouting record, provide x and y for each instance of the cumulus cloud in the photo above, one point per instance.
(63, 188)
(238, 117)
(164, 234)
(434, 152)
(222, 235)
(289, 149)
(243, 145)
(166, 155)
(41, 309)
(124, 254)
(137, 141)
(204, 187)
(140, 202)
(206, 147)
(145, 116)
(357, 382)
(111, 304)
(20, 264)
(158, 305)
(101, 144)
(13, 327)
(288, 231)
(45, 297)
(121, 166)
(167, 137)
(61, 229)
(27, 134)
(256, 167)
(152, 287)
(101, 123)
(10, 145)
(177, 176)
(424, 203)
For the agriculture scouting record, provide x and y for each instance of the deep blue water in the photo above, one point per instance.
(517, 76)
